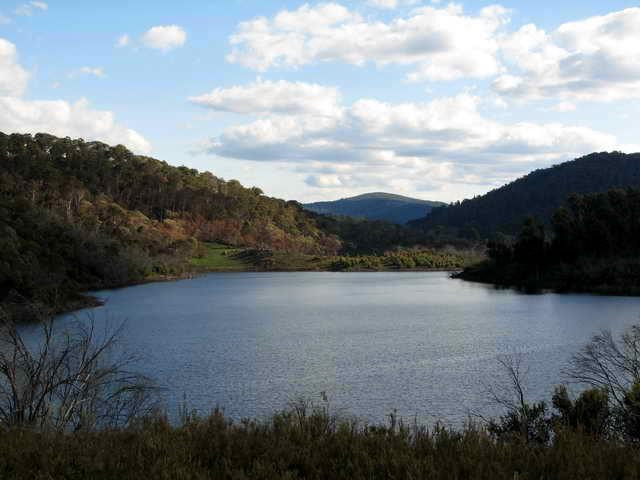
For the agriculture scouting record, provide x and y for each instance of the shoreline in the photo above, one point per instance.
(86, 300)
(550, 287)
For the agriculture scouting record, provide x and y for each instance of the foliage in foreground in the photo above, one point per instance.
(593, 436)
(314, 445)
(76, 379)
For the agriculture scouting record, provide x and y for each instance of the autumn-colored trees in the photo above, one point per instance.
(81, 215)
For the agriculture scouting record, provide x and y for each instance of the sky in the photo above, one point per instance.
(324, 100)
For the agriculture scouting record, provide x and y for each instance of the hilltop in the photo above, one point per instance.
(376, 206)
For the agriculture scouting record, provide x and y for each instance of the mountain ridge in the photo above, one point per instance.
(376, 206)
(536, 194)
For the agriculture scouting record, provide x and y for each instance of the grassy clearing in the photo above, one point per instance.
(215, 257)
(267, 260)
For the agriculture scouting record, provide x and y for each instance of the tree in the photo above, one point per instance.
(609, 364)
(613, 366)
(500, 249)
(522, 419)
(72, 380)
(589, 412)
(530, 247)
(631, 413)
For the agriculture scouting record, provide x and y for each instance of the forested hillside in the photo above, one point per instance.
(376, 206)
(78, 215)
(537, 194)
(593, 245)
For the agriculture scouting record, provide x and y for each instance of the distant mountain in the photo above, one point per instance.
(537, 194)
(376, 206)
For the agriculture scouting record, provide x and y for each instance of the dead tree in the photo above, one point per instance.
(609, 364)
(75, 379)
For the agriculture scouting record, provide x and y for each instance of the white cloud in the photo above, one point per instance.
(13, 78)
(58, 117)
(273, 97)
(92, 71)
(62, 118)
(439, 43)
(435, 146)
(123, 41)
(164, 37)
(445, 127)
(390, 4)
(26, 9)
(595, 59)
(564, 107)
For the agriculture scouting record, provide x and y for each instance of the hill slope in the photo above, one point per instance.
(537, 194)
(591, 245)
(376, 206)
(78, 215)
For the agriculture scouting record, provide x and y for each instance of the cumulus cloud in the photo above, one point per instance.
(263, 97)
(449, 127)
(164, 37)
(62, 118)
(58, 117)
(597, 58)
(438, 43)
(13, 78)
(401, 146)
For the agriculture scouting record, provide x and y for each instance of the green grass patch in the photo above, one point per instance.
(219, 257)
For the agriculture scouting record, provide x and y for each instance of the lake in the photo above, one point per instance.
(420, 343)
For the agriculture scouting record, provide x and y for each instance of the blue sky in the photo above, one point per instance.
(323, 100)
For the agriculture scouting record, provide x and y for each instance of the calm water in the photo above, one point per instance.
(421, 343)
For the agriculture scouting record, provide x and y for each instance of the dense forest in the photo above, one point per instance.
(537, 194)
(376, 206)
(592, 244)
(360, 236)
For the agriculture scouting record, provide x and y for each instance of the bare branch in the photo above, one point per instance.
(73, 380)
